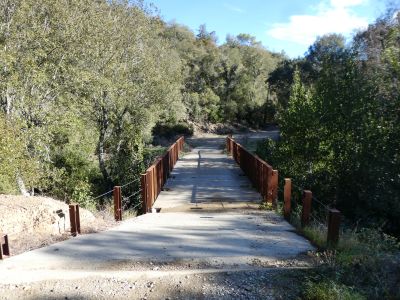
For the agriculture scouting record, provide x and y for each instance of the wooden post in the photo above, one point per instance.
(150, 187)
(117, 203)
(287, 196)
(154, 186)
(78, 219)
(143, 184)
(269, 185)
(306, 211)
(333, 227)
(275, 177)
(74, 219)
(4, 247)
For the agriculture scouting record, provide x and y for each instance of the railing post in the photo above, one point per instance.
(149, 193)
(117, 203)
(287, 196)
(306, 210)
(74, 219)
(143, 184)
(275, 177)
(269, 185)
(154, 186)
(4, 247)
(333, 227)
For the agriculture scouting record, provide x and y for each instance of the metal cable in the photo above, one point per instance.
(313, 197)
(317, 220)
(130, 208)
(134, 194)
(124, 199)
(140, 203)
(137, 179)
(106, 193)
(299, 187)
(324, 205)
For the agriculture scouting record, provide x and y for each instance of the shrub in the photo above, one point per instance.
(170, 130)
(83, 196)
(330, 290)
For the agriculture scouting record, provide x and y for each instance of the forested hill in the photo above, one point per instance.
(84, 84)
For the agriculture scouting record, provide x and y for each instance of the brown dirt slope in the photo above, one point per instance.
(33, 222)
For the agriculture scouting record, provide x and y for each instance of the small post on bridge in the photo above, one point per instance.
(268, 196)
(272, 186)
(275, 177)
(4, 247)
(306, 210)
(287, 196)
(117, 203)
(74, 219)
(143, 184)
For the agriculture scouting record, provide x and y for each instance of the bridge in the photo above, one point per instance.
(206, 214)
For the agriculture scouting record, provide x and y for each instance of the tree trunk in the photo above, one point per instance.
(8, 102)
(102, 137)
(21, 186)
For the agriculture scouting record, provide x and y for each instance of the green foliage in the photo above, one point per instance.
(83, 83)
(340, 129)
(225, 83)
(365, 264)
(329, 290)
(317, 234)
(83, 196)
(266, 206)
(15, 159)
(170, 130)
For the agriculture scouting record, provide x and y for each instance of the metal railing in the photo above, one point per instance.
(157, 174)
(265, 179)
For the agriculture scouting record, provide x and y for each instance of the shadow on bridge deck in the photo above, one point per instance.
(206, 176)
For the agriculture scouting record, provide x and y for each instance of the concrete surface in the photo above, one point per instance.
(203, 176)
(209, 214)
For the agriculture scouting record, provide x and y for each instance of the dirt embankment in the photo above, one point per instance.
(33, 222)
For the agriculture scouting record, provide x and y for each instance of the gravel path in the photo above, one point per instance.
(167, 281)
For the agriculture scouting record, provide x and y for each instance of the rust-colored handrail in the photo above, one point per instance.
(157, 174)
(260, 173)
(265, 180)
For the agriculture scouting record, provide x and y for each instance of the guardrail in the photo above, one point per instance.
(156, 175)
(265, 179)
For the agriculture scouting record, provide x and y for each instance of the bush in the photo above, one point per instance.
(83, 196)
(367, 260)
(330, 290)
(169, 130)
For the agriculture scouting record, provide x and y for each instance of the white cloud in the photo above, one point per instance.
(233, 8)
(336, 17)
(346, 3)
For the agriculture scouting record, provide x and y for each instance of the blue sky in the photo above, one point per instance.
(289, 25)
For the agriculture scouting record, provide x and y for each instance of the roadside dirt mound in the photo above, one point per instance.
(33, 222)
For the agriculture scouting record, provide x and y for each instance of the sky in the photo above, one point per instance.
(288, 25)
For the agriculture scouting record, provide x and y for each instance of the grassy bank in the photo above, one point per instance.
(364, 265)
